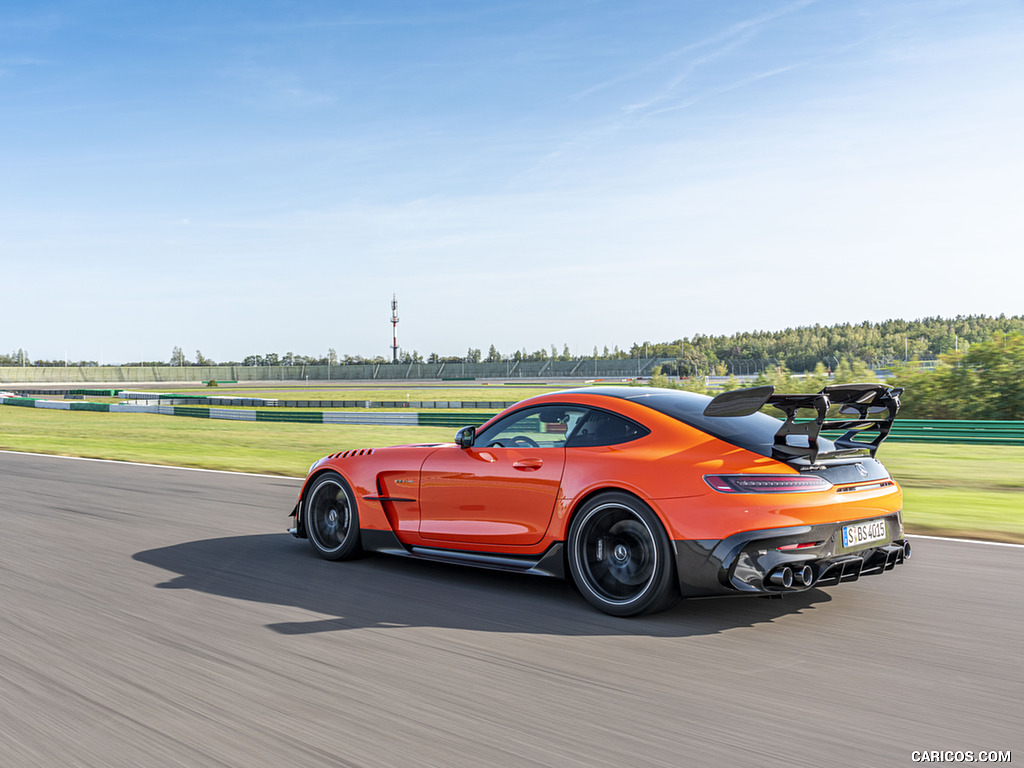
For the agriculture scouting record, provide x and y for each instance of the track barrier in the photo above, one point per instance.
(452, 414)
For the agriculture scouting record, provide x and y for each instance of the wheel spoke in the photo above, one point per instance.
(619, 553)
(332, 518)
(329, 514)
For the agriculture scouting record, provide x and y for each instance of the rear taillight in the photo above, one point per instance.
(767, 483)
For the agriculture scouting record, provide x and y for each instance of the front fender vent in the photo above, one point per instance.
(350, 454)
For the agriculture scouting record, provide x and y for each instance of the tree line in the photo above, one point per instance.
(801, 349)
(984, 382)
(979, 377)
(877, 345)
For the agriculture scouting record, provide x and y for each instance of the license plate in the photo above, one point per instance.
(859, 534)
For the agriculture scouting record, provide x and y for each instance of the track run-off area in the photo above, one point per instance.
(154, 616)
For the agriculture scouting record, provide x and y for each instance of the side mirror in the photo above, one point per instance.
(465, 437)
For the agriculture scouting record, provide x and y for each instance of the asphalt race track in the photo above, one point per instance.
(161, 617)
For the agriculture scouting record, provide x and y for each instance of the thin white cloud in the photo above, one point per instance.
(669, 89)
(744, 30)
(717, 90)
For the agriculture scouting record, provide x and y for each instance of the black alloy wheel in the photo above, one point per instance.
(620, 557)
(332, 520)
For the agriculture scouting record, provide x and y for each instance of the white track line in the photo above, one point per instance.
(965, 541)
(158, 466)
(286, 477)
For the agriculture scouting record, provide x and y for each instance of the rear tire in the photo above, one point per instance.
(620, 556)
(331, 517)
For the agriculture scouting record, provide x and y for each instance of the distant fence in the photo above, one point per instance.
(512, 369)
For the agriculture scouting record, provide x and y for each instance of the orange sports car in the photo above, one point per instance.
(640, 495)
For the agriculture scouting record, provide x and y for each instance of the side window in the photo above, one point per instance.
(604, 428)
(546, 426)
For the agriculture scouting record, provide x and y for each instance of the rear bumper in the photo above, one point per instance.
(766, 561)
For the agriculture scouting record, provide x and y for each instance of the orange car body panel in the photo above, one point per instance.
(492, 496)
(520, 500)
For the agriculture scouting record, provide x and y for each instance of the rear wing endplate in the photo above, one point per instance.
(873, 406)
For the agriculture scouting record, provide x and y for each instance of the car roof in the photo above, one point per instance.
(659, 399)
(754, 432)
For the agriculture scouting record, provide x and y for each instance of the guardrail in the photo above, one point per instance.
(455, 415)
(232, 401)
(454, 419)
(214, 402)
(957, 431)
(411, 419)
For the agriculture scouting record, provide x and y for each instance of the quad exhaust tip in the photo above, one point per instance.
(783, 577)
(787, 578)
(804, 576)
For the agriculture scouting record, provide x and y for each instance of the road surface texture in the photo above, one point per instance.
(162, 617)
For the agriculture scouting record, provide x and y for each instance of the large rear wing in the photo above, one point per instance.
(874, 407)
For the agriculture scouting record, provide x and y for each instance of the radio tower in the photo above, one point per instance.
(394, 328)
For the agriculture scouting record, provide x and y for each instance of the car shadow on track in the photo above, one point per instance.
(384, 591)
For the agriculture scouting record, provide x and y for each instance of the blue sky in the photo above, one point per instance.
(248, 177)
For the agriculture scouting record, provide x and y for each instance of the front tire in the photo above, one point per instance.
(332, 520)
(620, 556)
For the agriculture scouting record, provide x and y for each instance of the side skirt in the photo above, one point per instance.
(551, 563)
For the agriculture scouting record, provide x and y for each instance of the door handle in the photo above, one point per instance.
(527, 465)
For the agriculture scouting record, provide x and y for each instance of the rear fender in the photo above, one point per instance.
(566, 509)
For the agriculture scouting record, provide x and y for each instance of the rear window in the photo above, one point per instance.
(755, 432)
(604, 428)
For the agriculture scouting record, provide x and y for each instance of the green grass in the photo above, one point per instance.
(958, 490)
(266, 448)
(965, 467)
